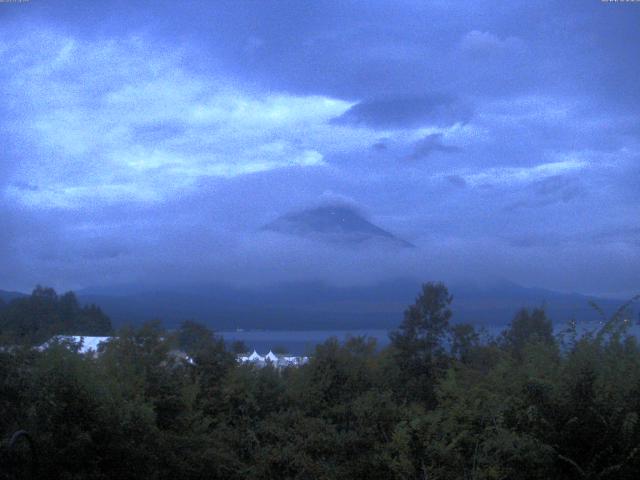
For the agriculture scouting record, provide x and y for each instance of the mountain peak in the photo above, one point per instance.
(339, 224)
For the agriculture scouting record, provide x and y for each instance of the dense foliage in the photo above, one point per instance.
(440, 403)
(33, 319)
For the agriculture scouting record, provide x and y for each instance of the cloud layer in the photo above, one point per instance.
(147, 144)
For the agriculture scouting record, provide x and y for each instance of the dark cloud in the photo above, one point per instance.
(524, 90)
(405, 111)
(612, 236)
(156, 132)
(533, 240)
(379, 146)
(429, 145)
(622, 234)
(25, 186)
(457, 181)
(549, 191)
(563, 188)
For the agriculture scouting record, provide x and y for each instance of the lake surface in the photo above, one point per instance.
(300, 342)
(297, 342)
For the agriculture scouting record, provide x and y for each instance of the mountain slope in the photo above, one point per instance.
(335, 224)
(6, 296)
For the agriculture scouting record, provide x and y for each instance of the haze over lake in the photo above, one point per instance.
(303, 342)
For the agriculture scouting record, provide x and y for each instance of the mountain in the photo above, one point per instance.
(336, 224)
(6, 296)
(315, 305)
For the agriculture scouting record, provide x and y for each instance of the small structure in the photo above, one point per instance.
(255, 358)
(181, 356)
(271, 357)
(277, 361)
(86, 345)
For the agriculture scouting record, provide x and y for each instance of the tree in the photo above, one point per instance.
(211, 357)
(34, 319)
(464, 340)
(527, 327)
(418, 343)
(238, 347)
(280, 350)
(193, 337)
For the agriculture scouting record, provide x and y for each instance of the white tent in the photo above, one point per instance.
(88, 344)
(271, 357)
(254, 357)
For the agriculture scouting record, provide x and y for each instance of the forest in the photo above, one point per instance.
(441, 401)
(33, 319)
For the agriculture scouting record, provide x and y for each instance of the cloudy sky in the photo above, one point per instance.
(150, 142)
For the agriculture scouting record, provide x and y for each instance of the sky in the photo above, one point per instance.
(151, 142)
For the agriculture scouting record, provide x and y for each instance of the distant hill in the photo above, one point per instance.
(315, 305)
(8, 296)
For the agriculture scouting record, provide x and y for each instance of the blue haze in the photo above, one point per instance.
(150, 142)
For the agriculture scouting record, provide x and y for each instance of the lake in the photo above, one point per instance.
(300, 342)
(297, 342)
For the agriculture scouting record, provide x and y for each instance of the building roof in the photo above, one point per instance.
(88, 344)
(271, 357)
(254, 357)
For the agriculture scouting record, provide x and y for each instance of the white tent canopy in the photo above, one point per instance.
(254, 357)
(271, 357)
(88, 344)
